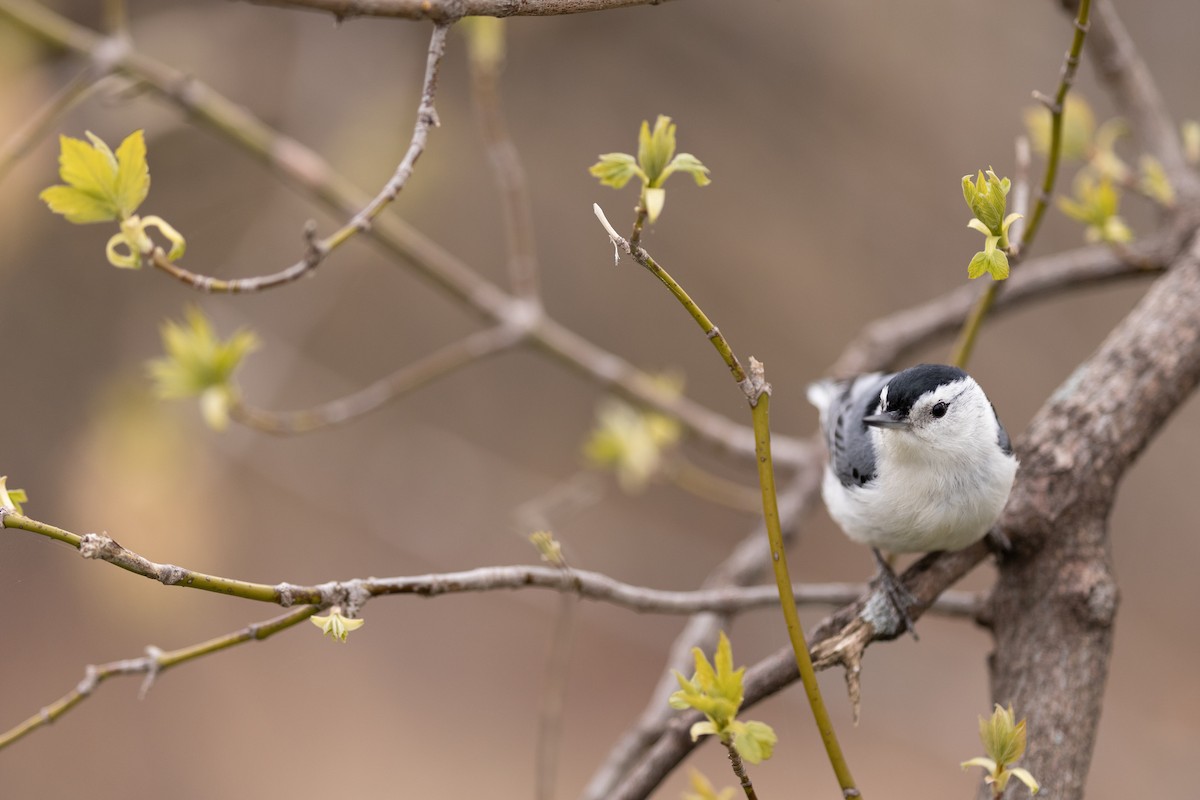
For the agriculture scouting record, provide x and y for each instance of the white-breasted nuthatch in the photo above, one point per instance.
(918, 462)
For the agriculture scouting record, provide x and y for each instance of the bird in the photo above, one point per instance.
(918, 462)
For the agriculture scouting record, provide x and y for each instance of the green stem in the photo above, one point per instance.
(151, 665)
(970, 331)
(758, 395)
(639, 222)
(711, 331)
(104, 547)
(808, 676)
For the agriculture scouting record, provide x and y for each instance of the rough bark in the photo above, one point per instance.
(1053, 608)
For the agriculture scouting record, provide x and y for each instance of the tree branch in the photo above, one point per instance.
(1053, 608)
(301, 167)
(356, 592)
(154, 663)
(408, 378)
(319, 249)
(507, 169)
(886, 340)
(451, 10)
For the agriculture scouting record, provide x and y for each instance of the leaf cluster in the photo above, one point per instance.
(655, 162)
(1099, 182)
(198, 364)
(987, 197)
(716, 691)
(102, 186)
(1004, 742)
(633, 442)
(11, 499)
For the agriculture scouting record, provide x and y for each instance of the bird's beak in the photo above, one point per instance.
(888, 419)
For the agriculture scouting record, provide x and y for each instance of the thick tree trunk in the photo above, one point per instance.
(1052, 610)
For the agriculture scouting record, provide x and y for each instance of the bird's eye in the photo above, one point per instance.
(939, 409)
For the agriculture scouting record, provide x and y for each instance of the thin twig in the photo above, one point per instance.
(319, 249)
(739, 769)
(709, 487)
(408, 378)
(970, 331)
(451, 10)
(711, 332)
(587, 585)
(39, 123)
(554, 692)
(509, 174)
(302, 167)
(151, 665)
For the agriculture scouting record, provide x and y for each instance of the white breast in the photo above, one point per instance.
(946, 504)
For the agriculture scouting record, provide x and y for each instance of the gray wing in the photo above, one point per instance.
(851, 453)
(1002, 435)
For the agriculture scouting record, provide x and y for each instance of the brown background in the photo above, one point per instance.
(836, 134)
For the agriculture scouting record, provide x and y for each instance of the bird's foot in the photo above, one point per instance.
(901, 598)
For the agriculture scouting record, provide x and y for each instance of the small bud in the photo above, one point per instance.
(11, 499)
(550, 550)
(336, 625)
(1095, 204)
(1004, 742)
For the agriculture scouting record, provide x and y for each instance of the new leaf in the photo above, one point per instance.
(100, 186)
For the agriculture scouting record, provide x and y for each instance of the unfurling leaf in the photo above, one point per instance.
(1004, 742)
(686, 162)
(616, 169)
(336, 625)
(549, 548)
(633, 442)
(655, 199)
(1095, 204)
(11, 499)
(656, 148)
(655, 162)
(986, 199)
(755, 741)
(198, 364)
(100, 186)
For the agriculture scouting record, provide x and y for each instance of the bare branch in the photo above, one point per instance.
(508, 171)
(408, 378)
(318, 250)
(886, 340)
(154, 663)
(42, 120)
(303, 168)
(1056, 599)
(355, 592)
(451, 10)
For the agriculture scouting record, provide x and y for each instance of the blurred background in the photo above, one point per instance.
(836, 133)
